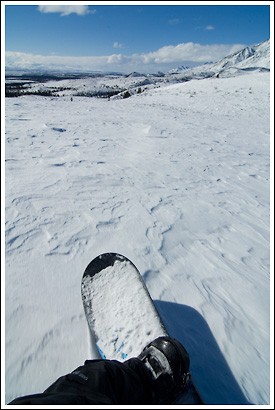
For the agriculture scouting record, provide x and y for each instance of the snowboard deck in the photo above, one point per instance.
(121, 314)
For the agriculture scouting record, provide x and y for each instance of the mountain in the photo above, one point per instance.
(109, 85)
(178, 70)
(255, 57)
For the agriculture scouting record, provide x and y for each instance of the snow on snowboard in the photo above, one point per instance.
(121, 314)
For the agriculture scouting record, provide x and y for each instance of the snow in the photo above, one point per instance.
(177, 179)
(125, 327)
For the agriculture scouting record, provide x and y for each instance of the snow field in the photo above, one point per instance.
(177, 180)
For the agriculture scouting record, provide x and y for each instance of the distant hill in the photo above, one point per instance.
(111, 85)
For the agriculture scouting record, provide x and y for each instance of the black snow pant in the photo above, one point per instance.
(98, 382)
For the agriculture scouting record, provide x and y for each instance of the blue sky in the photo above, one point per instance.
(129, 37)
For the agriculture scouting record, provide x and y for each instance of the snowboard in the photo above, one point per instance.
(121, 314)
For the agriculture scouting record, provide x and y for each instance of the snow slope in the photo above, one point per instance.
(177, 179)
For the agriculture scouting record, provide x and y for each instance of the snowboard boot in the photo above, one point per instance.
(168, 363)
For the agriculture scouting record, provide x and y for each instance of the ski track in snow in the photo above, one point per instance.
(177, 180)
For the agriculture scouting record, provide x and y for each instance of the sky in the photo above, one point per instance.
(130, 36)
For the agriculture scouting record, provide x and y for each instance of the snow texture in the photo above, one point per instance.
(120, 313)
(177, 179)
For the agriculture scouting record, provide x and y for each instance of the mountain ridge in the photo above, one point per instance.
(248, 58)
(255, 56)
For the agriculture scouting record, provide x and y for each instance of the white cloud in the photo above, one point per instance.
(66, 10)
(116, 59)
(190, 52)
(117, 45)
(165, 58)
(209, 28)
(17, 60)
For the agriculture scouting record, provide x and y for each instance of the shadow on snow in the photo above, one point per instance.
(209, 368)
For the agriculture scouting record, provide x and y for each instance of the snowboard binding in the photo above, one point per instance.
(168, 362)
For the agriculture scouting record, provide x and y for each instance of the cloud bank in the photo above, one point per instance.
(166, 58)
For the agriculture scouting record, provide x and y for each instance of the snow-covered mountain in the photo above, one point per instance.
(256, 57)
(115, 85)
(177, 70)
(249, 58)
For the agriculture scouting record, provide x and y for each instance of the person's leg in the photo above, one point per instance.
(156, 376)
(98, 382)
(111, 381)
